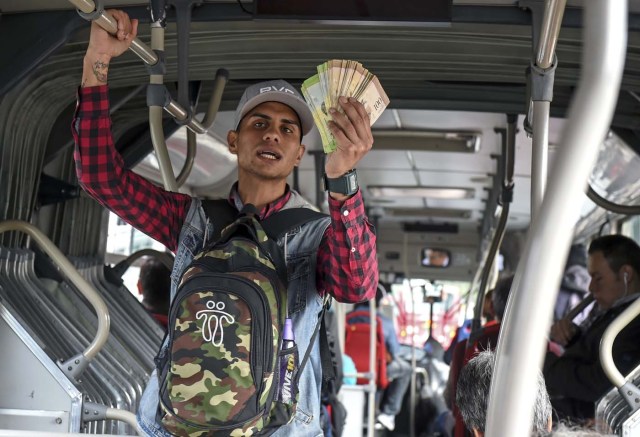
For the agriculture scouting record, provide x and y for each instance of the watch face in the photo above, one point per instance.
(352, 183)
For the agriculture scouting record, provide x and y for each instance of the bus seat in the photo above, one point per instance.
(356, 345)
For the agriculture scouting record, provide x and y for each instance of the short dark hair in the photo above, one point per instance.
(472, 395)
(500, 296)
(618, 250)
(155, 282)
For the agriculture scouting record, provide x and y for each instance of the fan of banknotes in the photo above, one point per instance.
(338, 78)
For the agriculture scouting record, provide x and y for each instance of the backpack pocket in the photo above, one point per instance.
(287, 376)
(285, 402)
(218, 372)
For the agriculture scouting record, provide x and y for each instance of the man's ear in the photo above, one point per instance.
(232, 141)
(477, 433)
(301, 150)
(626, 273)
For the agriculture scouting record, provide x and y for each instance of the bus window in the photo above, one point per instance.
(122, 241)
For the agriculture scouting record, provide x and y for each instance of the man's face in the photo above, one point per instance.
(267, 141)
(606, 285)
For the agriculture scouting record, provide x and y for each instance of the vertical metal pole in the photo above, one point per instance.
(539, 154)
(373, 373)
(430, 319)
(523, 335)
(553, 13)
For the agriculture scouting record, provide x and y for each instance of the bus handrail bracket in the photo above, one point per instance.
(97, 12)
(539, 88)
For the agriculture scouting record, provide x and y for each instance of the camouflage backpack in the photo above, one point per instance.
(221, 372)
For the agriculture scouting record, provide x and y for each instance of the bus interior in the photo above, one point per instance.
(512, 132)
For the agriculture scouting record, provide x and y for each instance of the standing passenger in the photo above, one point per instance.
(270, 121)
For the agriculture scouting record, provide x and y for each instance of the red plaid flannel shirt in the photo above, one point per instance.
(347, 267)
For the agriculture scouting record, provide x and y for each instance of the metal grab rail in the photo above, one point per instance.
(181, 114)
(74, 366)
(143, 52)
(610, 206)
(553, 13)
(627, 389)
(540, 107)
(539, 154)
(522, 340)
(92, 411)
(124, 416)
(508, 166)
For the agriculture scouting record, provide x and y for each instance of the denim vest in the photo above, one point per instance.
(304, 304)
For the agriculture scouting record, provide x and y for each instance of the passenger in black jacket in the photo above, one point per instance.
(575, 379)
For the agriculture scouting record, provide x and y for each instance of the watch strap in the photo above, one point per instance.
(346, 184)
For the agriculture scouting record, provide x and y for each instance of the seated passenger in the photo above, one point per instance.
(576, 379)
(472, 396)
(398, 370)
(487, 339)
(488, 312)
(154, 284)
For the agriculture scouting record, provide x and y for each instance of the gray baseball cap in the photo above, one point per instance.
(274, 91)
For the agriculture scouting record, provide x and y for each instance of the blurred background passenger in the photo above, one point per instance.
(154, 284)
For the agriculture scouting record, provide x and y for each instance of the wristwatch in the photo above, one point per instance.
(346, 184)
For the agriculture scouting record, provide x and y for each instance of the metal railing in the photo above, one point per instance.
(523, 335)
(74, 366)
(178, 112)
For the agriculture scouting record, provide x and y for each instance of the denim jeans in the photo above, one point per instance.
(399, 372)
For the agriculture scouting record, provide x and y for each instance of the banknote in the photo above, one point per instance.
(336, 78)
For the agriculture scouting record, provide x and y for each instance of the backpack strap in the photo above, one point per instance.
(277, 224)
(221, 213)
(325, 357)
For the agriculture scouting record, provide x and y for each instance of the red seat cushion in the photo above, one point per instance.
(356, 345)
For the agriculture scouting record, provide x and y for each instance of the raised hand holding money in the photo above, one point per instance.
(345, 100)
(338, 78)
(351, 129)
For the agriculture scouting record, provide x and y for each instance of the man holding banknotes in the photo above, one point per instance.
(270, 121)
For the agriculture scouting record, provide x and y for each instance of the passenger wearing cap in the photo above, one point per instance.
(333, 255)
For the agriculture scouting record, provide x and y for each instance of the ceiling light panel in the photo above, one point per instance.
(427, 140)
(449, 193)
(430, 212)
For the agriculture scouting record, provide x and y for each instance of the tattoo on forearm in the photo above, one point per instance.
(100, 71)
